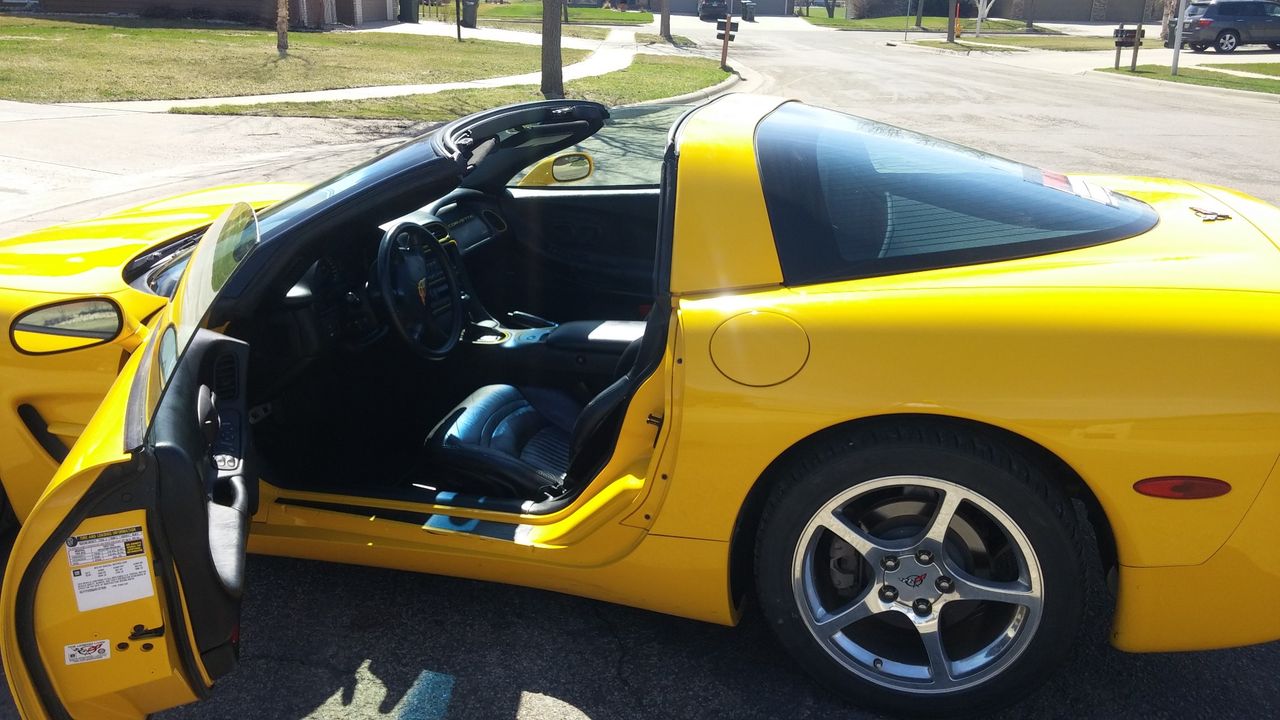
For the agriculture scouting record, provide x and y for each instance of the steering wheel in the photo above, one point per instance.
(420, 288)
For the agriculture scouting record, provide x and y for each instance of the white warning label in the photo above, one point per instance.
(88, 652)
(109, 568)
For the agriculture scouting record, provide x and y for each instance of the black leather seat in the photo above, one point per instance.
(522, 442)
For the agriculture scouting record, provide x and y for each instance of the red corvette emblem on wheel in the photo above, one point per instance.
(914, 580)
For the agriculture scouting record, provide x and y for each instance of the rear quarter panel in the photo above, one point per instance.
(1122, 384)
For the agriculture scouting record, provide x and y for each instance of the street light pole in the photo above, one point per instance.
(1177, 36)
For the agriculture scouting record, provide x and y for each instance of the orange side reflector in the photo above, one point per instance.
(1182, 487)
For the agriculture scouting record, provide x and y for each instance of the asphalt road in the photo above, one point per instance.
(1044, 111)
(329, 641)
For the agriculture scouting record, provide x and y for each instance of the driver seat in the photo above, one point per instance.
(521, 442)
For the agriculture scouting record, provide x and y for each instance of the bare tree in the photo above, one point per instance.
(664, 24)
(552, 62)
(1170, 12)
(282, 27)
(984, 7)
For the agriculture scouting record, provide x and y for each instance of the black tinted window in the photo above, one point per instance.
(1232, 8)
(848, 197)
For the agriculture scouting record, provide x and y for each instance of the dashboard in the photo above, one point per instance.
(335, 302)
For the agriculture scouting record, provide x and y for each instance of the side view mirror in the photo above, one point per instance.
(566, 168)
(572, 167)
(67, 325)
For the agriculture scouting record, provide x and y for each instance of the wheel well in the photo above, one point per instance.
(743, 540)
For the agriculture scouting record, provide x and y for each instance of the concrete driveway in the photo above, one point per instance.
(60, 162)
(330, 641)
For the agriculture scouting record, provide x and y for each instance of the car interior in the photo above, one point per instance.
(480, 350)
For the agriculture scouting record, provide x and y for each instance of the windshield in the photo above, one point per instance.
(1197, 9)
(225, 244)
(626, 152)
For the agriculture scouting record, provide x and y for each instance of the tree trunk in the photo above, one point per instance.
(1170, 12)
(552, 70)
(282, 27)
(664, 25)
(831, 8)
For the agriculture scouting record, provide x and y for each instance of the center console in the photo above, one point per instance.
(583, 350)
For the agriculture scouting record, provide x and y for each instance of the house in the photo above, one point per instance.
(763, 7)
(302, 13)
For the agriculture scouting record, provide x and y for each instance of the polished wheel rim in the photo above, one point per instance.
(917, 584)
(1227, 42)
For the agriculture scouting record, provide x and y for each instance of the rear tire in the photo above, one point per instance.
(1227, 41)
(881, 555)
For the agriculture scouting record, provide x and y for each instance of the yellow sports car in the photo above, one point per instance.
(876, 381)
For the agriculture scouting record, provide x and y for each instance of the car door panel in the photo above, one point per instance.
(1272, 12)
(124, 585)
(583, 254)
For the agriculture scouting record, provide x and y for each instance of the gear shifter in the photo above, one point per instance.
(530, 321)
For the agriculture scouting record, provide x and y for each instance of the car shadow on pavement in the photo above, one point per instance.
(328, 641)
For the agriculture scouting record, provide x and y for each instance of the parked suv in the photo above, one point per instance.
(712, 9)
(1228, 24)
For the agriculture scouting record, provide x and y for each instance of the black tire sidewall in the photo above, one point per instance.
(1035, 512)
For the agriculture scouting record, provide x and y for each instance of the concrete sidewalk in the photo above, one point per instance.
(611, 54)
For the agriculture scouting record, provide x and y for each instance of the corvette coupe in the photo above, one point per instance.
(667, 357)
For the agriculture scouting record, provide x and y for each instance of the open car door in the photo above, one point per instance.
(122, 593)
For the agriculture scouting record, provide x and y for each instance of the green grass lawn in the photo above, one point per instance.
(1260, 68)
(679, 41)
(650, 77)
(532, 10)
(959, 47)
(131, 59)
(1195, 76)
(901, 22)
(1062, 43)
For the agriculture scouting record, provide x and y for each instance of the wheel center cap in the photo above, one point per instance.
(913, 580)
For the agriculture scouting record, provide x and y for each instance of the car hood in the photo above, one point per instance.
(88, 257)
(1185, 249)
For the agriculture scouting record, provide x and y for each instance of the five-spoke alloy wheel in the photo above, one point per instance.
(921, 570)
(1227, 41)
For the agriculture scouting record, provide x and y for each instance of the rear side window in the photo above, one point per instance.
(851, 198)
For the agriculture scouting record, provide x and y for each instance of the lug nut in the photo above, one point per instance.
(922, 607)
(945, 584)
(888, 593)
(889, 562)
(924, 557)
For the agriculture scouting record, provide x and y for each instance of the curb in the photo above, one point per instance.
(913, 47)
(1179, 87)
